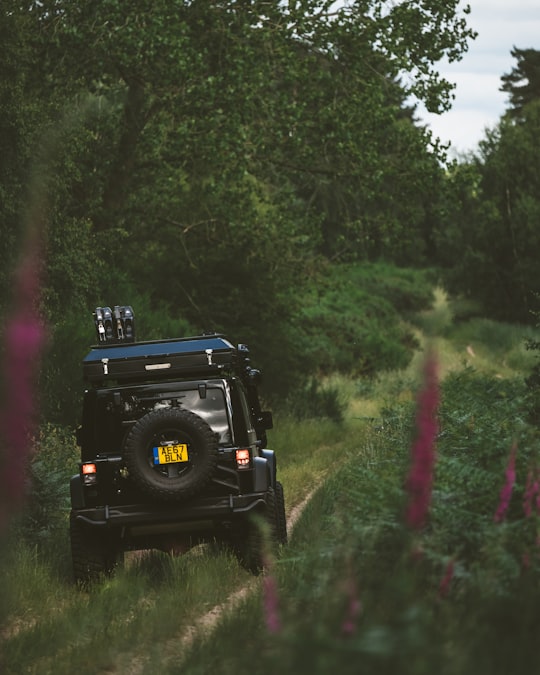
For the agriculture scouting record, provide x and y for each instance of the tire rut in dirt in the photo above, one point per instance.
(280, 517)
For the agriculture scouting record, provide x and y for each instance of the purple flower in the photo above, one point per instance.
(24, 337)
(423, 454)
(506, 491)
(354, 609)
(532, 490)
(271, 604)
(444, 586)
(528, 495)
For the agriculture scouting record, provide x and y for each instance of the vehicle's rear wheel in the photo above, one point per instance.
(94, 554)
(171, 454)
(259, 541)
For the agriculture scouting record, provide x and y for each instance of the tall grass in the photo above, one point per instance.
(141, 617)
(153, 600)
(357, 590)
(460, 595)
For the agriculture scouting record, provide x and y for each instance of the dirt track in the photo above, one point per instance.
(174, 648)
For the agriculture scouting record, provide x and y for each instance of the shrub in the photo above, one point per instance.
(43, 522)
(354, 318)
(316, 401)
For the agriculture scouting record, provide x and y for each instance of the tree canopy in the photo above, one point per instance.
(210, 154)
(522, 83)
(490, 237)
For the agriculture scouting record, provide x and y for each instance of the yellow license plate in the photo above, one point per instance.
(170, 454)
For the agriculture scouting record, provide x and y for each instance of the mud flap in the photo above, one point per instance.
(261, 474)
(76, 492)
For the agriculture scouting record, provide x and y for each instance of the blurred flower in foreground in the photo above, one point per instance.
(506, 491)
(270, 594)
(423, 454)
(269, 582)
(23, 340)
(531, 495)
(446, 581)
(354, 609)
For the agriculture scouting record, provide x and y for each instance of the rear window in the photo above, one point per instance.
(105, 417)
(211, 408)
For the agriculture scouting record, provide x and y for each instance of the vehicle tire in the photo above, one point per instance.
(249, 546)
(263, 534)
(179, 480)
(94, 554)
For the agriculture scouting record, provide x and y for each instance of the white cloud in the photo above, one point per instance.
(463, 128)
(478, 103)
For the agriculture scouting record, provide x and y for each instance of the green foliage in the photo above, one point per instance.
(43, 523)
(353, 317)
(208, 152)
(523, 82)
(356, 589)
(488, 239)
(505, 343)
(533, 379)
(316, 401)
(352, 547)
(481, 417)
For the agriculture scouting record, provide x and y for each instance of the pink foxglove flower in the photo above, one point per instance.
(269, 586)
(354, 609)
(24, 336)
(423, 453)
(531, 496)
(506, 491)
(444, 586)
(271, 603)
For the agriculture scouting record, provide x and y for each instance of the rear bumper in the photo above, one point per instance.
(192, 514)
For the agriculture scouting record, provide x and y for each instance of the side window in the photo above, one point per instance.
(242, 422)
(104, 426)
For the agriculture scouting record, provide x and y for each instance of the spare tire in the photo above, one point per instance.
(157, 440)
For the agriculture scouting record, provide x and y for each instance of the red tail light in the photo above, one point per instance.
(243, 458)
(89, 473)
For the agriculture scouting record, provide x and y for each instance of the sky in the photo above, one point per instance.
(478, 104)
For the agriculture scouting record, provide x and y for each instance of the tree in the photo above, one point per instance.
(522, 84)
(489, 239)
(494, 252)
(19, 115)
(202, 145)
(301, 89)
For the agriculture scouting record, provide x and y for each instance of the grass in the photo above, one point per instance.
(489, 346)
(117, 620)
(129, 620)
(351, 561)
(460, 596)
(307, 452)
(352, 543)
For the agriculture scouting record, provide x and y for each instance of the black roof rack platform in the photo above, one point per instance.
(205, 355)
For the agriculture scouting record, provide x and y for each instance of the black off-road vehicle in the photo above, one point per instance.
(173, 450)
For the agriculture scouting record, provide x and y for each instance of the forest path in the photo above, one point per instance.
(174, 649)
